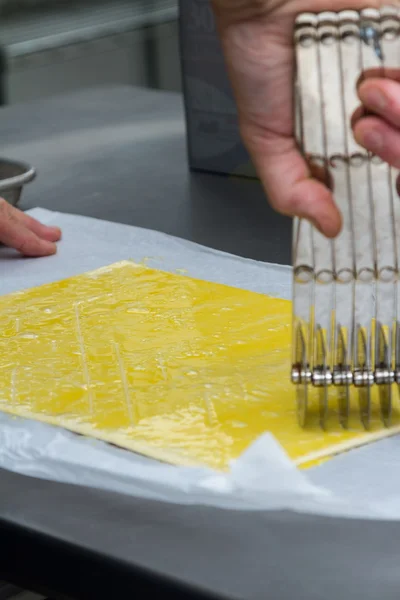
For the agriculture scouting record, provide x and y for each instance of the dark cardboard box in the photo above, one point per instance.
(214, 142)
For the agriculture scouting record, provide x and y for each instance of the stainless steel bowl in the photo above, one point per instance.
(13, 176)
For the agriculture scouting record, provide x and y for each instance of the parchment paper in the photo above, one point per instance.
(362, 483)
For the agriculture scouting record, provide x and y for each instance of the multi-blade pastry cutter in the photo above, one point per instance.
(346, 301)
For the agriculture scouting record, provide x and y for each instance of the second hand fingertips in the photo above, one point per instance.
(37, 249)
(46, 248)
(52, 234)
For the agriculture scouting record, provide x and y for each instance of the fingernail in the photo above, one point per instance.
(49, 248)
(375, 99)
(56, 231)
(371, 140)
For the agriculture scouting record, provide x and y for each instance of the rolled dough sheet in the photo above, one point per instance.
(178, 369)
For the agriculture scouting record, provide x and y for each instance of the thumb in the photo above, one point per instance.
(291, 187)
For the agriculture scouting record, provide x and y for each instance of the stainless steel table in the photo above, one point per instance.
(119, 154)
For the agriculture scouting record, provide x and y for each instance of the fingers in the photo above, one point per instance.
(51, 234)
(380, 138)
(382, 97)
(28, 236)
(290, 186)
(376, 124)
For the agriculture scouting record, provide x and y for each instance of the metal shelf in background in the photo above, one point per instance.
(24, 33)
(3, 82)
(62, 45)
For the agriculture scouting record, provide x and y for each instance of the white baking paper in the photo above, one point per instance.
(360, 484)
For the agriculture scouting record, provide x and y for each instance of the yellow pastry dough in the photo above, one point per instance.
(178, 369)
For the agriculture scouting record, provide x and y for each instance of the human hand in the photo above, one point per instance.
(25, 234)
(257, 38)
